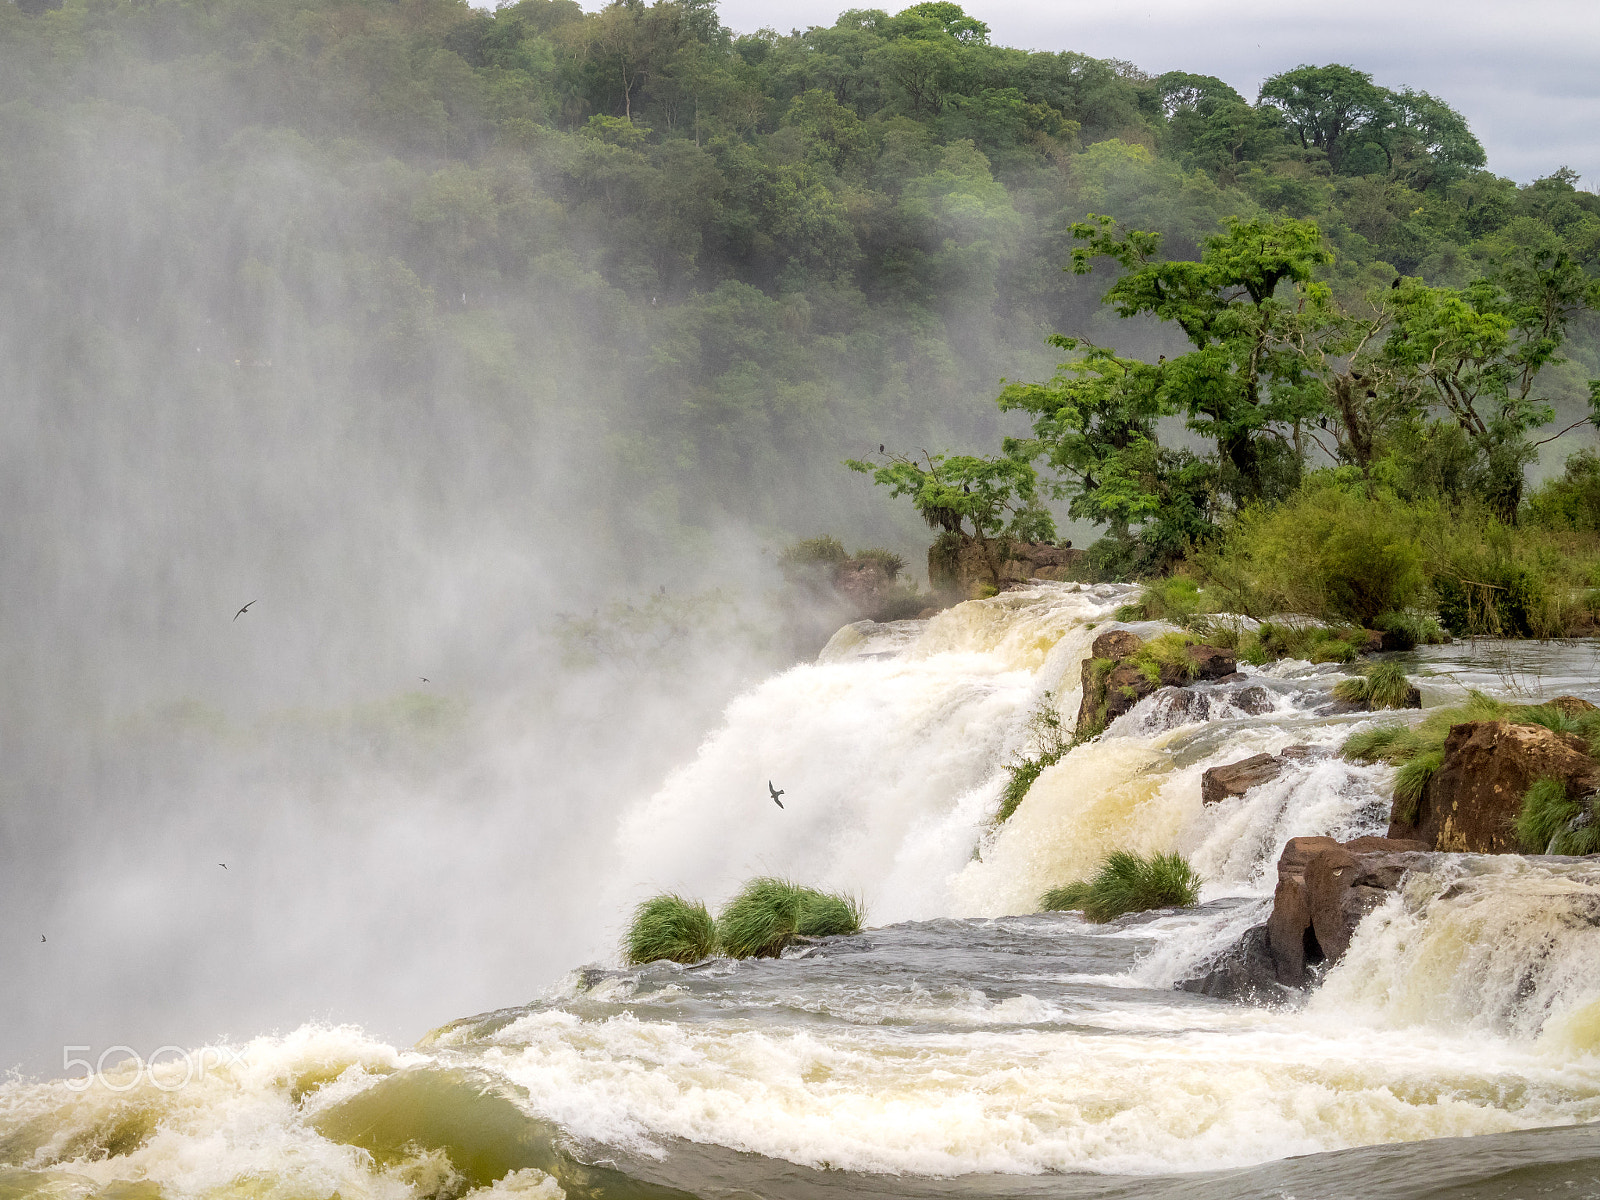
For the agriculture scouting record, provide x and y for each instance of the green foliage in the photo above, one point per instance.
(768, 913)
(670, 927)
(1379, 685)
(1571, 501)
(1413, 628)
(891, 562)
(1393, 744)
(1170, 651)
(1326, 552)
(1050, 744)
(1411, 780)
(1127, 883)
(809, 551)
(1545, 820)
(1176, 598)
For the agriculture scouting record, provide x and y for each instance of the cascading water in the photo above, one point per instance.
(965, 1045)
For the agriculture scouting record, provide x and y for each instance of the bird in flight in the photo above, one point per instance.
(224, 866)
(424, 679)
(776, 792)
(42, 938)
(242, 611)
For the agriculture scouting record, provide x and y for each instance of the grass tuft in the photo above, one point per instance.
(670, 927)
(1409, 783)
(767, 913)
(1545, 822)
(1051, 742)
(1392, 744)
(1127, 883)
(1380, 685)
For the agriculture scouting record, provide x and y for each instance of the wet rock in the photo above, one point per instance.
(1254, 700)
(1116, 644)
(1372, 642)
(1324, 889)
(1471, 802)
(1245, 972)
(1235, 779)
(1307, 753)
(1212, 662)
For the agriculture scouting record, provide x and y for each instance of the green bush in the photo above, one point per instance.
(1326, 552)
(1332, 650)
(1392, 744)
(670, 927)
(1414, 629)
(768, 913)
(1175, 598)
(1051, 743)
(891, 562)
(1570, 502)
(1544, 817)
(1379, 685)
(822, 549)
(1127, 883)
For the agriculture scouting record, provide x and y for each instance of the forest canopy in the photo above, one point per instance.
(709, 265)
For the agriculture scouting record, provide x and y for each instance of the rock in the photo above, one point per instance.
(1245, 972)
(1372, 642)
(1312, 874)
(1572, 706)
(1472, 800)
(1236, 677)
(1213, 662)
(1235, 779)
(962, 568)
(1116, 644)
(1305, 753)
(1253, 700)
(1125, 687)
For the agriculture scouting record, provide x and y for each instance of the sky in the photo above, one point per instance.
(1523, 72)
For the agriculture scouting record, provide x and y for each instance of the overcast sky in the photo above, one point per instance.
(1525, 73)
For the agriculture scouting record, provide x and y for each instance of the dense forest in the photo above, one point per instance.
(633, 279)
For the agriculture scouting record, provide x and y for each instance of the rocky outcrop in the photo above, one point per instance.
(1325, 888)
(962, 568)
(1470, 803)
(1117, 675)
(1235, 779)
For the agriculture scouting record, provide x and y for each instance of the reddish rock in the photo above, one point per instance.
(1235, 779)
(1572, 706)
(1471, 802)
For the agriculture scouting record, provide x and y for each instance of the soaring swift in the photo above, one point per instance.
(776, 792)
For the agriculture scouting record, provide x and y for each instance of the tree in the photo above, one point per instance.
(1094, 424)
(989, 501)
(1242, 385)
(1476, 353)
(1329, 108)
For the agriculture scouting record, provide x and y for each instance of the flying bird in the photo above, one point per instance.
(224, 866)
(776, 792)
(242, 611)
(42, 938)
(880, 447)
(424, 679)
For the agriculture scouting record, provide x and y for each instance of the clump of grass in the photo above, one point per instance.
(1067, 898)
(1544, 823)
(1410, 781)
(1175, 598)
(1332, 650)
(1392, 744)
(1379, 685)
(768, 913)
(1168, 650)
(670, 927)
(1127, 883)
(824, 549)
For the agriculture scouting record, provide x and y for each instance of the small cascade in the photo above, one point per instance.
(1502, 944)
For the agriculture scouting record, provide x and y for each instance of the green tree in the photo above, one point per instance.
(989, 501)
(1241, 385)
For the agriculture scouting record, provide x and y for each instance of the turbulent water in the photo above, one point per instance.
(963, 1045)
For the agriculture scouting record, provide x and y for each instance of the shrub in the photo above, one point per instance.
(1176, 598)
(1169, 650)
(1328, 552)
(822, 549)
(1332, 650)
(1414, 629)
(1127, 883)
(1544, 820)
(670, 927)
(891, 562)
(1050, 742)
(1380, 685)
(1571, 501)
(1409, 783)
(768, 913)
